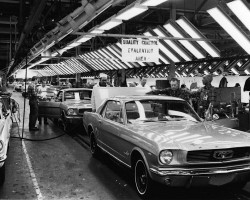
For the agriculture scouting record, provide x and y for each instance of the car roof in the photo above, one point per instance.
(76, 89)
(144, 97)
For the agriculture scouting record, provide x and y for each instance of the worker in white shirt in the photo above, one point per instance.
(42, 93)
(143, 83)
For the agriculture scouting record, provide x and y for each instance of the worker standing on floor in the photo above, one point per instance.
(42, 92)
(33, 102)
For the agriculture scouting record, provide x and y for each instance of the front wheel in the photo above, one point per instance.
(2, 175)
(95, 151)
(142, 179)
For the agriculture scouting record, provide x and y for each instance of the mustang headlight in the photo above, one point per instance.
(166, 157)
(71, 111)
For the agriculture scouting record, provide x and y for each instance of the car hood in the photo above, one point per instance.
(190, 135)
(78, 103)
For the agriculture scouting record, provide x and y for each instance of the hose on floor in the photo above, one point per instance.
(38, 140)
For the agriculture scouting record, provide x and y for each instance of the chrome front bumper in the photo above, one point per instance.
(197, 177)
(200, 171)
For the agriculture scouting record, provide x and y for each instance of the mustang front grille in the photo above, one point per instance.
(216, 155)
(82, 110)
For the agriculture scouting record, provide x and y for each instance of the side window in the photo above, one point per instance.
(112, 111)
(69, 95)
(132, 111)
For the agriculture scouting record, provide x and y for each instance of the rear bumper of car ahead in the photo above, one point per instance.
(193, 177)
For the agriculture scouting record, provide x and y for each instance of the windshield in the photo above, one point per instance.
(78, 95)
(159, 110)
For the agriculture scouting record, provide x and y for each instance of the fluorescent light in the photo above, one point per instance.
(130, 12)
(124, 64)
(241, 10)
(109, 24)
(234, 70)
(165, 50)
(153, 2)
(247, 72)
(100, 51)
(74, 44)
(100, 65)
(177, 74)
(173, 45)
(206, 72)
(89, 62)
(83, 39)
(102, 61)
(96, 30)
(194, 33)
(188, 45)
(54, 54)
(230, 27)
(239, 63)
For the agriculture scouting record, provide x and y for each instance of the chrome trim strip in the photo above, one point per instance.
(200, 171)
(219, 162)
(115, 157)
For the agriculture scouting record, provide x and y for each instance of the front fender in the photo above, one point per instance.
(144, 156)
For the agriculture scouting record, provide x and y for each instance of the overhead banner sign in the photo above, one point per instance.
(140, 50)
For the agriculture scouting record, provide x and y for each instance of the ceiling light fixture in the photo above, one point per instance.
(247, 71)
(95, 30)
(188, 45)
(172, 44)
(242, 11)
(110, 23)
(230, 27)
(195, 33)
(100, 51)
(153, 2)
(131, 11)
(235, 71)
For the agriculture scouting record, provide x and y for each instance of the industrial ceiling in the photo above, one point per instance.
(68, 37)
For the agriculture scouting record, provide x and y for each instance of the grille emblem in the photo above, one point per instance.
(224, 154)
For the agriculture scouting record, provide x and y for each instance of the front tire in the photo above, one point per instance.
(2, 175)
(95, 151)
(143, 182)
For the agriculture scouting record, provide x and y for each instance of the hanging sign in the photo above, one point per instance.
(140, 50)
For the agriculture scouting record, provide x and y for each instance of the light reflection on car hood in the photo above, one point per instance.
(187, 135)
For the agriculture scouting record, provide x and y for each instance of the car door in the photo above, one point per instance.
(51, 108)
(111, 127)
